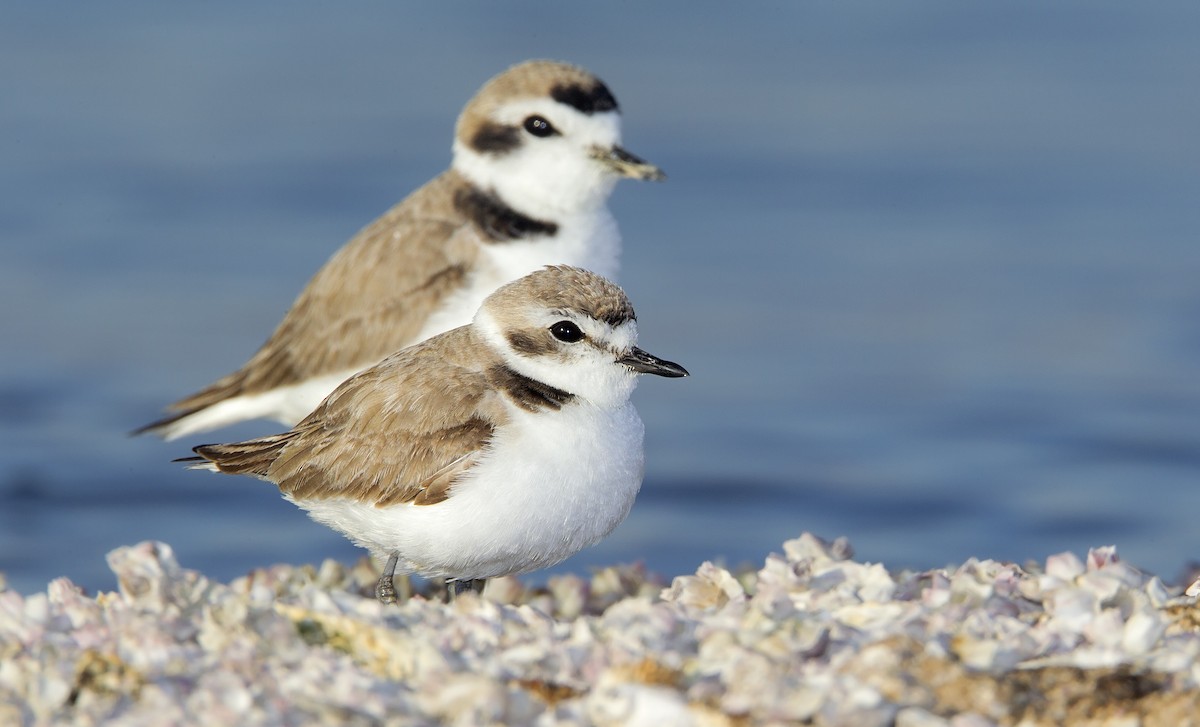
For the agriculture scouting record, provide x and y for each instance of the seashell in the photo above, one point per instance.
(1157, 592)
(987, 655)
(1193, 591)
(1071, 608)
(571, 595)
(1064, 566)
(637, 705)
(1142, 632)
(813, 636)
(711, 589)
(1105, 629)
(917, 717)
(1102, 556)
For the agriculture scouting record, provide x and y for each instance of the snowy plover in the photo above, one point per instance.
(498, 447)
(536, 154)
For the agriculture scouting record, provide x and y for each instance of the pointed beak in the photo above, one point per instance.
(625, 164)
(646, 363)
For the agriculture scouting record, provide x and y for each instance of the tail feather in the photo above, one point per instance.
(230, 411)
(287, 405)
(197, 463)
(174, 425)
(252, 457)
(162, 427)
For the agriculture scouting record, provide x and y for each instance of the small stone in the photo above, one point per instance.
(812, 636)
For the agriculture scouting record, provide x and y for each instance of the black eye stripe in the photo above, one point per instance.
(538, 126)
(566, 331)
(496, 139)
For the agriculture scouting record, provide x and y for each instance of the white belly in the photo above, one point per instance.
(553, 484)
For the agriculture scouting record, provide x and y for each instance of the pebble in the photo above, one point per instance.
(813, 637)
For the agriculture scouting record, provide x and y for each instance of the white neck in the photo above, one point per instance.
(545, 190)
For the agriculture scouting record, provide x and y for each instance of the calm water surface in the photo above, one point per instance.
(934, 269)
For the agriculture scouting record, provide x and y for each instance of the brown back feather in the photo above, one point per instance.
(369, 300)
(401, 431)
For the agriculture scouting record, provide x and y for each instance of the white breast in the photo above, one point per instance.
(590, 241)
(553, 484)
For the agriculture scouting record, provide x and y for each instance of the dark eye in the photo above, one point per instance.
(538, 126)
(566, 331)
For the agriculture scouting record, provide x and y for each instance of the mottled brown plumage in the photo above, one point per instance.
(372, 296)
(398, 432)
(571, 289)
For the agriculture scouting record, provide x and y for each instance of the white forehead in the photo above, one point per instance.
(622, 337)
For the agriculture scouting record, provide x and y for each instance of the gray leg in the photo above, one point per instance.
(385, 591)
(457, 587)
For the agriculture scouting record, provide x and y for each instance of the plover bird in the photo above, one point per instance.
(536, 155)
(499, 447)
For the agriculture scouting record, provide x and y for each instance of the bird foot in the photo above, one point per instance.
(457, 588)
(385, 591)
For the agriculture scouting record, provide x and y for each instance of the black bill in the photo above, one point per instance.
(647, 363)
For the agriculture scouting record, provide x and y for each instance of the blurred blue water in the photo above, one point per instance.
(933, 268)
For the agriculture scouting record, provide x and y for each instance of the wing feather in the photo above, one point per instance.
(370, 299)
(402, 431)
